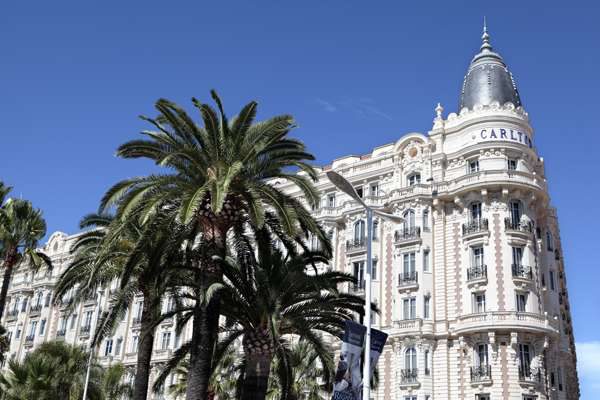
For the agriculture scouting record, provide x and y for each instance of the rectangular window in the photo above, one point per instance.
(88, 318)
(165, 341)
(414, 179)
(521, 301)
(479, 302)
(477, 256)
(549, 241)
(426, 303)
(426, 361)
(512, 165)
(524, 360)
(426, 220)
(476, 212)
(517, 256)
(560, 378)
(134, 343)
(331, 200)
(375, 229)
(552, 283)
(63, 324)
(48, 298)
(374, 270)
(515, 213)
(374, 189)
(426, 260)
(410, 308)
(409, 263)
(359, 275)
(482, 397)
(552, 380)
(32, 328)
(24, 305)
(359, 191)
(42, 327)
(473, 166)
(482, 355)
(108, 347)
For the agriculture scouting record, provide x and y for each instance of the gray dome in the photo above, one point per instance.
(488, 79)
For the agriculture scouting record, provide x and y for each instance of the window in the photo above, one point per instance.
(39, 299)
(375, 229)
(482, 397)
(24, 305)
(108, 347)
(521, 301)
(409, 308)
(426, 260)
(359, 231)
(359, 191)
(475, 212)
(18, 332)
(552, 283)
(558, 372)
(517, 256)
(409, 221)
(549, 241)
(511, 164)
(134, 343)
(73, 319)
(359, 274)
(374, 189)
(63, 324)
(473, 166)
(374, 270)
(410, 359)
(426, 303)
(48, 298)
(477, 253)
(409, 264)
(118, 347)
(524, 360)
(165, 340)
(515, 212)
(42, 327)
(552, 380)
(32, 328)
(410, 397)
(331, 200)
(414, 179)
(479, 302)
(426, 220)
(481, 355)
(426, 361)
(88, 318)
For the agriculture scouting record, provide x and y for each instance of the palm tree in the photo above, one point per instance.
(217, 174)
(21, 227)
(54, 370)
(4, 343)
(113, 387)
(140, 256)
(272, 297)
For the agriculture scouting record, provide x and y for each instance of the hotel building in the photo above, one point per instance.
(472, 286)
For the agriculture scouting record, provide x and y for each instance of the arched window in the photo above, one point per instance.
(414, 179)
(359, 231)
(410, 359)
(409, 221)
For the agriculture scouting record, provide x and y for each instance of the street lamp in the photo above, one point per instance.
(92, 347)
(342, 184)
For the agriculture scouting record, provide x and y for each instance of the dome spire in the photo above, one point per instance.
(485, 46)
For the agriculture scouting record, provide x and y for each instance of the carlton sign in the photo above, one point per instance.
(504, 134)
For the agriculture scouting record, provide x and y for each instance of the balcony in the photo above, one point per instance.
(481, 374)
(522, 274)
(530, 378)
(504, 320)
(518, 228)
(356, 245)
(61, 333)
(12, 314)
(358, 287)
(412, 327)
(475, 227)
(29, 340)
(34, 310)
(407, 236)
(408, 281)
(85, 330)
(409, 378)
(477, 276)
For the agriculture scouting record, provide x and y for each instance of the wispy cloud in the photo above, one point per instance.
(364, 107)
(327, 106)
(588, 366)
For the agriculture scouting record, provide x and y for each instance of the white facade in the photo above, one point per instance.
(471, 288)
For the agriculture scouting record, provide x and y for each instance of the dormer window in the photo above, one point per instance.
(414, 179)
(473, 166)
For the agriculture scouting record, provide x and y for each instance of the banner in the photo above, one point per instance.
(348, 377)
(378, 339)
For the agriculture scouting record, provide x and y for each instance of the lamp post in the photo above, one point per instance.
(91, 355)
(342, 184)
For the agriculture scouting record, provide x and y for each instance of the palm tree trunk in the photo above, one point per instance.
(142, 375)
(256, 379)
(9, 263)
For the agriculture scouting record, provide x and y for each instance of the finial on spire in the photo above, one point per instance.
(485, 46)
(439, 110)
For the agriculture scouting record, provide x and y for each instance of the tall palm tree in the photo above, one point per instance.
(113, 387)
(54, 370)
(216, 175)
(141, 257)
(21, 228)
(272, 297)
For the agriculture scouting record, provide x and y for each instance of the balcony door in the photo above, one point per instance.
(409, 221)
(475, 212)
(359, 231)
(515, 212)
(359, 274)
(410, 359)
(409, 265)
(481, 355)
(524, 359)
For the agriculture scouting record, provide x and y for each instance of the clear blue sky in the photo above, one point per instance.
(74, 76)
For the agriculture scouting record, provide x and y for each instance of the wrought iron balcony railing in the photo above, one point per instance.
(481, 373)
(85, 329)
(511, 225)
(407, 234)
(356, 243)
(529, 376)
(36, 308)
(522, 271)
(407, 278)
(359, 286)
(477, 272)
(476, 225)
(408, 376)
(29, 339)
(61, 333)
